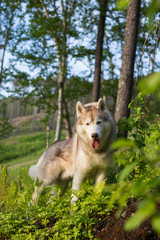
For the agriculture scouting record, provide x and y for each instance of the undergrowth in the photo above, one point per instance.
(135, 174)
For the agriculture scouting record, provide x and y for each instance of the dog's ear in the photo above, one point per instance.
(80, 109)
(101, 105)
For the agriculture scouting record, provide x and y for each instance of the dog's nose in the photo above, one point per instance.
(94, 135)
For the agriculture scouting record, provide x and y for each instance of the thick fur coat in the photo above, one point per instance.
(87, 154)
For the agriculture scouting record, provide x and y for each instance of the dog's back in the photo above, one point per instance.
(56, 162)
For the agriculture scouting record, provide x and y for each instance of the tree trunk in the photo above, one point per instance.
(59, 112)
(67, 120)
(11, 111)
(61, 81)
(47, 138)
(5, 45)
(128, 58)
(35, 109)
(62, 71)
(99, 48)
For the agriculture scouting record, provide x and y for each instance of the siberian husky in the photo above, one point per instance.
(87, 154)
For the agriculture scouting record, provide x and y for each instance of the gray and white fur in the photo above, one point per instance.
(87, 154)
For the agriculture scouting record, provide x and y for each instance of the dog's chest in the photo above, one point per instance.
(93, 160)
(98, 159)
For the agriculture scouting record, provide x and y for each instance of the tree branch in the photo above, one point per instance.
(52, 35)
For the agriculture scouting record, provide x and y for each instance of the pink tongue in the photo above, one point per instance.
(95, 144)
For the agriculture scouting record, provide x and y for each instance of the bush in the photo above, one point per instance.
(138, 157)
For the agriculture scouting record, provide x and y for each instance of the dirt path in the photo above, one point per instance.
(21, 164)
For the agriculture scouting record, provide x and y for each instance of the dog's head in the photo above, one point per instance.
(94, 125)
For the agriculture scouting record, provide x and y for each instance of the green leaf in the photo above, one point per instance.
(121, 4)
(123, 143)
(156, 223)
(146, 209)
(126, 171)
(150, 84)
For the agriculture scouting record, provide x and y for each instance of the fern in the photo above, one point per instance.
(4, 184)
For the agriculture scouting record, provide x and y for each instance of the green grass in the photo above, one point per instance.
(23, 148)
(21, 151)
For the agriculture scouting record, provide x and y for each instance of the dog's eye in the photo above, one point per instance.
(98, 122)
(87, 123)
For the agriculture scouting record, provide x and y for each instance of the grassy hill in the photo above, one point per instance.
(21, 151)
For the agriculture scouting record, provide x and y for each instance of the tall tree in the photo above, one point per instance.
(128, 60)
(99, 49)
(61, 47)
(47, 31)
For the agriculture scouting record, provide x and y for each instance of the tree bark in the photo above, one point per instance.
(61, 81)
(48, 133)
(128, 58)
(59, 112)
(35, 109)
(99, 49)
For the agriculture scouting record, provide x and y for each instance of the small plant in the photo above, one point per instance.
(138, 157)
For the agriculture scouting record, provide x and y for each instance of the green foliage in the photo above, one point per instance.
(138, 122)
(122, 4)
(145, 210)
(76, 87)
(6, 128)
(138, 157)
(151, 84)
(57, 220)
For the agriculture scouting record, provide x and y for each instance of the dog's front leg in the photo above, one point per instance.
(37, 193)
(77, 180)
(100, 176)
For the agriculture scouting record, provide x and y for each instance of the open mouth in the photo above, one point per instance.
(95, 143)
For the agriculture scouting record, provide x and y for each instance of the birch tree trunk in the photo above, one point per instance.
(61, 81)
(67, 120)
(48, 133)
(35, 109)
(128, 59)
(60, 111)
(62, 71)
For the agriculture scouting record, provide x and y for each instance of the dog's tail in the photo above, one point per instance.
(34, 172)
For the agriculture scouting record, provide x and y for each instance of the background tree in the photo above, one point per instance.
(128, 59)
(59, 36)
(48, 48)
(99, 49)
